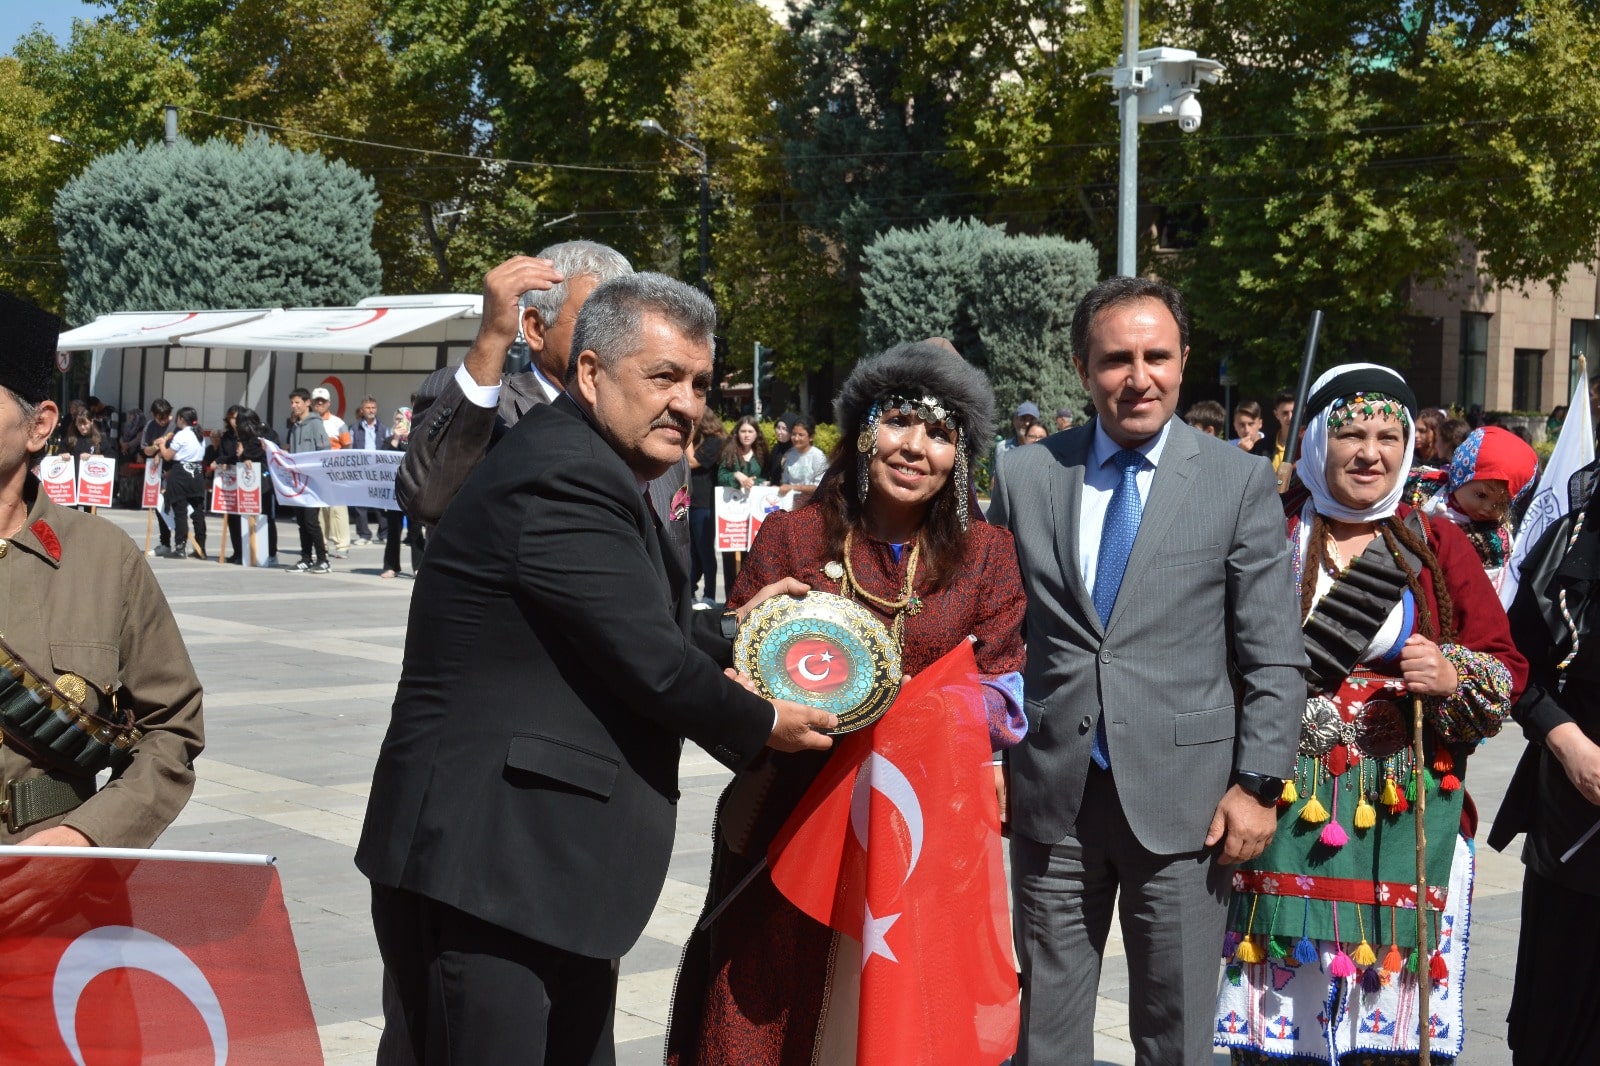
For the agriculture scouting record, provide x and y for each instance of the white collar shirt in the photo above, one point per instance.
(1100, 479)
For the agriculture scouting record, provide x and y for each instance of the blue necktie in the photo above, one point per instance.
(1116, 544)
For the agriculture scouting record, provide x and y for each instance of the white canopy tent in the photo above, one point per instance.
(383, 347)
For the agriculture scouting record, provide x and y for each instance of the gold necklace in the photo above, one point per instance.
(908, 602)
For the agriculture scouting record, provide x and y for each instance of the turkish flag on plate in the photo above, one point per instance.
(897, 845)
(110, 956)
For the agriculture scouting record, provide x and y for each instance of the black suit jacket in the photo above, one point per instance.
(450, 436)
(530, 772)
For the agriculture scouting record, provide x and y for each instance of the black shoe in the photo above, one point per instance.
(302, 567)
(200, 554)
(235, 560)
(320, 568)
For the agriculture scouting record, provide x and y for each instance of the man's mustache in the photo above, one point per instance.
(672, 422)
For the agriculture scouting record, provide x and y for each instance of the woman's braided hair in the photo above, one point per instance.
(1395, 533)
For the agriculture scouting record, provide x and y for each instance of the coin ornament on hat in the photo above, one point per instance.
(824, 651)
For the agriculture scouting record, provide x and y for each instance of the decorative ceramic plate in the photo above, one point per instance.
(824, 651)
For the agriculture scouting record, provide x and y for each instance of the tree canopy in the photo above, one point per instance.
(215, 225)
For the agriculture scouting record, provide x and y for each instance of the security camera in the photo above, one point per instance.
(1189, 113)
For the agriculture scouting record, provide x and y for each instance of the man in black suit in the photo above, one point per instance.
(523, 806)
(462, 411)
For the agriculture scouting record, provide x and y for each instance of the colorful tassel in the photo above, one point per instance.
(1230, 943)
(1391, 795)
(1371, 980)
(1401, 806)
(1411, 788)
(1305, 952)
(1290, 793)
(1363, 955)
(1341, 966)
(1333, 836)
(1438, 969)
(1277, 947)
(1366, 815)
(1392, 962)
(1443, 761)
(1249, 951)
(1449, 783)
(1313, 812)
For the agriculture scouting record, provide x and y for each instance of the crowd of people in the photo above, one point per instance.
(1250, 797)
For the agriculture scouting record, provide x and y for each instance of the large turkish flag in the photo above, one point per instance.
(132, 957)
(897, 845)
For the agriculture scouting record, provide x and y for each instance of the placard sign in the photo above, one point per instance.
(150, 498)
(225, 491)
(740, 512)
(96, 475)
(59, 476)
(249, 475)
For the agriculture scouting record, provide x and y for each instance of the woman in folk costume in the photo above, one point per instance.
(892, 527)
(1322, 949)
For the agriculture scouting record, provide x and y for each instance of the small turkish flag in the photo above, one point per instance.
(110, 957)
(897, 845)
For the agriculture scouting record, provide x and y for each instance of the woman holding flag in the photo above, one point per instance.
(767, 979)
(1323, 951)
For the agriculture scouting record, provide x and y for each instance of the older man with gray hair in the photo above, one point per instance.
(523, 806)
(460, 412)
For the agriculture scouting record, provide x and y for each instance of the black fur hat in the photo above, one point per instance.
(917, 369)
(27, 348)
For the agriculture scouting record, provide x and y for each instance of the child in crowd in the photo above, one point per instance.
(1488, 473)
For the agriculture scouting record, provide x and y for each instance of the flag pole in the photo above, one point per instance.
(1424, 980)
(149, 526)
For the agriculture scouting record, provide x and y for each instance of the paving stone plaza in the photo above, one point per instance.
(299, 672)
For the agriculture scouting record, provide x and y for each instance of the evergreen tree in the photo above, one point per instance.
(215, 225)
(922, 283)
(1027, 291)
(1005, 302)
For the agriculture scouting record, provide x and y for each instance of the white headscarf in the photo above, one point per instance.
(1312, 467)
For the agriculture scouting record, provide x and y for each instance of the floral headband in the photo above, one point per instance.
(1347, 409)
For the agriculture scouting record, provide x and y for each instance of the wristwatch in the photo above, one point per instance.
(730, 625)
(1265, 789)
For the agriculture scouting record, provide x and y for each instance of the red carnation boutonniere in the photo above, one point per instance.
(680, 504)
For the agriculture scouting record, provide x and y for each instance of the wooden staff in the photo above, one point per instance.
(222, 554)
(1424, 982)
(149, 524)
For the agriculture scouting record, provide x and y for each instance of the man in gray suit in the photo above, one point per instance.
(461, 412)
(1163, 689)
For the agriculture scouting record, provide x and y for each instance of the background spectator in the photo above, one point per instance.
(1208, 416)
(743, 466)
(367, 434)
(1064, 419)
(1247, 424)
(704, 453)
(400, 528)
(803, 465)
(335, 520)
(250, 431)
(186, 482)
(780, 431)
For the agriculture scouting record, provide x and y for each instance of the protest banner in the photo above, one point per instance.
(58, 474)
(740, 512)
(346, 477)
(97, 475)
(127, 956)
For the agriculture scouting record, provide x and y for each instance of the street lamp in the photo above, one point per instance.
(692, 143)
(56, 138)
(1153, 85)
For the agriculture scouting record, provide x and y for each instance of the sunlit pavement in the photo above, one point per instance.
(299, 673)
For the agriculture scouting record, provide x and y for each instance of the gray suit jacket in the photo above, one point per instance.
(450, 436)
(1199, 669)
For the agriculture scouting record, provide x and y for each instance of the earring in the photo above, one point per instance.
(866, 446)
(963, 488)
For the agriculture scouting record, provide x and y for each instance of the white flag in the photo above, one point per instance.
(1574, 450)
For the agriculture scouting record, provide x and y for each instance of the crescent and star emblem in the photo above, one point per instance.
(811, 675)
(888, 780)
(122, 947)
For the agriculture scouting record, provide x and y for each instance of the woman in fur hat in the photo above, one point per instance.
(894, 526)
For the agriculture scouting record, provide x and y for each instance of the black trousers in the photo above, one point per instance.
(186, 491)
(459, 991)
(312, 547)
